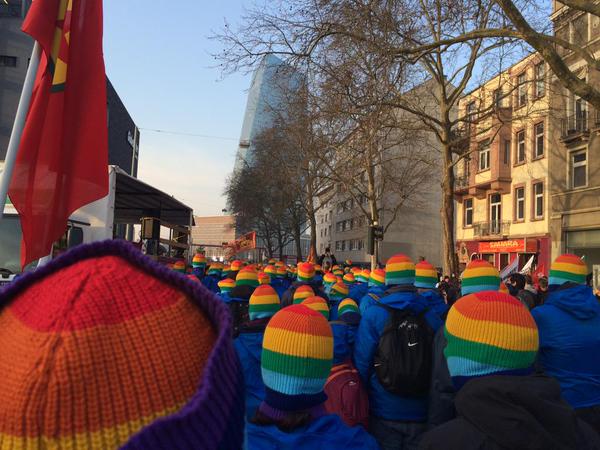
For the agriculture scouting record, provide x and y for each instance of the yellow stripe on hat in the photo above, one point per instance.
(490, 333)
(578, 269)
(286, 342)
(264, 299)
(398, 267)
(480, 272)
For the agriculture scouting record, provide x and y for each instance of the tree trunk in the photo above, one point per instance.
(312, 252)
(280, 243)
(447, 213)
(298, 241)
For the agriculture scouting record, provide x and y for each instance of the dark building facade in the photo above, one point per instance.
(123, 134)
(15, 52)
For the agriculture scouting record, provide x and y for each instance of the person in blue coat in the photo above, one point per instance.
(296, 361)
(569, 330)
(212, 278)
(344, 331)
(338, 292)
(396, 421)
(375, 292)
(263, 304)
(225, 287)
(425, 280)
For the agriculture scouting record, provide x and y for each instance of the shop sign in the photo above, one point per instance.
(508, 246)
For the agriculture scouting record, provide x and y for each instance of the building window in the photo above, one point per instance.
(468, 210)
(361, 244)
(540, 79)
(484, 156)
(539, 140)
(579, 169)
(506, 156)
(522, 89)
(538, 200)
(495, 214)
(519, 204)
(471, 107)
(8, 61)
(520, 147)
(498, 98)
(343, 245)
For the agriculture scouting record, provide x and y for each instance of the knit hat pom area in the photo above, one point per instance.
(296, 358)
(102, 348)
(489, 333)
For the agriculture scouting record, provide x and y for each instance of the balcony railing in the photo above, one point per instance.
(580, 122)
(461, 182)
(493, 228)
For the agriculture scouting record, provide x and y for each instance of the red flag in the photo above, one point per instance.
(63, 155)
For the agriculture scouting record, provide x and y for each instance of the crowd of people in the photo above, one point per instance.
(104, 348)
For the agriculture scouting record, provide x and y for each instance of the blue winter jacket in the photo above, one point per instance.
(280, 285)
(327, 432)
(435, 302)
(211, 283)
(367, 300)
(384, 404)
(569, 331)
(358, 291)
(344, 336)
(249, 348)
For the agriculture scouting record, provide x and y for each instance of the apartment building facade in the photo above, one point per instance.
(501, 192)
(574, 163)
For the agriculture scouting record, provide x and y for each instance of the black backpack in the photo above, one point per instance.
(403, 360)
(239, 314)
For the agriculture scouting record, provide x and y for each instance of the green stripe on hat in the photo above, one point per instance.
(487, 354)
(271, 307)
(294, 365)
(481, 281)
(400, 274)
(568, 276)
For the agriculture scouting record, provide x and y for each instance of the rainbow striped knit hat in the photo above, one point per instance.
(179, 266)
(246, 277)
(318, 304)
(399, 270)
(349, 279)
(377, 278)
(264, 278)
(281, 272)
(567, 268)
(355, 271)
(271, 270)
(338, 272)
(318, 268)
(363, 276)
(199, 260)
(296, 360)
(480, 276)
(264, 302)
(226, 285)
(302, 293)
(306, 271)
(235, 266)
(489, 332)
(329, 279)
(103, 348)
(426, 276)
(215, 269)
(339, 291)
(347, 306)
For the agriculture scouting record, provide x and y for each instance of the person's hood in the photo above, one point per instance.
(577, 300)
(401, 297)
(435, 301)
(252, 342)
(519, 412)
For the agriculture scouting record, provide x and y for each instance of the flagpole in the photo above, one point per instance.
(19, 125)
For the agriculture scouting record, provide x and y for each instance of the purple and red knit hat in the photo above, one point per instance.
(116, 350)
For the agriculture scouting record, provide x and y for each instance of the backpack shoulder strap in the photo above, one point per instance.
(373, 296)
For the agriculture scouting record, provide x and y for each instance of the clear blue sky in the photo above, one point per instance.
(157, 56)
